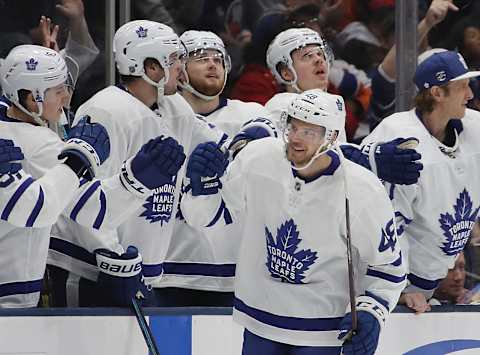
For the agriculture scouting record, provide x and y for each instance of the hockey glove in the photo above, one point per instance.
(157, 163)
(87, 148)
(389, 161)
(205, 167)
(371, 316)
(120, 277)
(252, 130)
(10, 155)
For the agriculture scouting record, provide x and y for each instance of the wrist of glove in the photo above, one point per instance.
(87, 148)
(370, 319)
(252, 130)
(205, 167)
(10, 156)
(156, 164)
(395, 161)
(120, 278)
(356, 155)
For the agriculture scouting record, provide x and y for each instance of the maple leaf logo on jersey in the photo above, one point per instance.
(284, 261)
(456, 229)
(159, 205)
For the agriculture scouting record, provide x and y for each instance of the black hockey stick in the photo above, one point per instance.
(147, 333)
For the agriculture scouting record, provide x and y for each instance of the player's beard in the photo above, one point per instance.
(299, 159)
(206, 88)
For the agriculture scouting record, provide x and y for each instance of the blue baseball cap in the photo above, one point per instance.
(440, 68)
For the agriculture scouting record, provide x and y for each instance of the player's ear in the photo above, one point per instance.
(26, 100)
(153, 69)
(285, 72)
(437, 93)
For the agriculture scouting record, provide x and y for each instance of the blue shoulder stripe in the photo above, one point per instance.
(36, 210)
(14, 199)
(101, 213)
(83, 200)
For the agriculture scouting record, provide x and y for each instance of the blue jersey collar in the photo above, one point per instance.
(330, 170)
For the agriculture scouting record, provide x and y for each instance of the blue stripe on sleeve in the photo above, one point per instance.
(14, 199)
(218, 270)
(36, 210)
(423, 283)
(218, 215)
(20, 288)
(101, 213)
(152, 270)
(385, 276)
(284, 322)
(83, 200)
(72, 250)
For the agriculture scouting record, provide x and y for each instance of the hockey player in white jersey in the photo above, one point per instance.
(33, 78)
(291, 287)
(300, 59)
(435, 216)
(147, 56)
(199, 268)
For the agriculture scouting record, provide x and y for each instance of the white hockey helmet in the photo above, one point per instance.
(319, 108)
(33, 68)
(282, 46)
(138, 40)
(195, 42)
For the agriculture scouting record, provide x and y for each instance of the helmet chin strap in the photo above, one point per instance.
(35, 115)
(320, 151)
(187, 86)
(160, 85)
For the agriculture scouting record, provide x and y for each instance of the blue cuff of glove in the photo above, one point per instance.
(369, 150)
(85, 153)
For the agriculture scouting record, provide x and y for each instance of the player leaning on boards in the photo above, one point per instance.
(34, 78)
(291, 287)
(147, 56)
(199, 268)
(436, 215)
(300, 59)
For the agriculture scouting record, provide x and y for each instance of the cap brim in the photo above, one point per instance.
(468, 75)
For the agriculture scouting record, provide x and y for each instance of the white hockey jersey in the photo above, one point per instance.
(130, 124)
(291, 279)
(31, 201)
(279, 102)
(204, 258)
(435, 216)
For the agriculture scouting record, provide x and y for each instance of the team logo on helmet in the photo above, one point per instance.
(31, 64)
(142, 32)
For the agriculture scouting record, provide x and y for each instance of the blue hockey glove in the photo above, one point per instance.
(205, 167)
(87, 147)
(389, 161)
(365, 340)
(252, 130)
(120, 277)
(157, 163)
(10, 155)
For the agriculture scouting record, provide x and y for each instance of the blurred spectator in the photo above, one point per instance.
(452, 288)
(181, 15)
(382, 103)
(254, 10)
(256, 82)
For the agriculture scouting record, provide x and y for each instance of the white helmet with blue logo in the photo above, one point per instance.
(282, 46)
(33, 68)
(197, 41)
(321, 109)
(138, 40)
